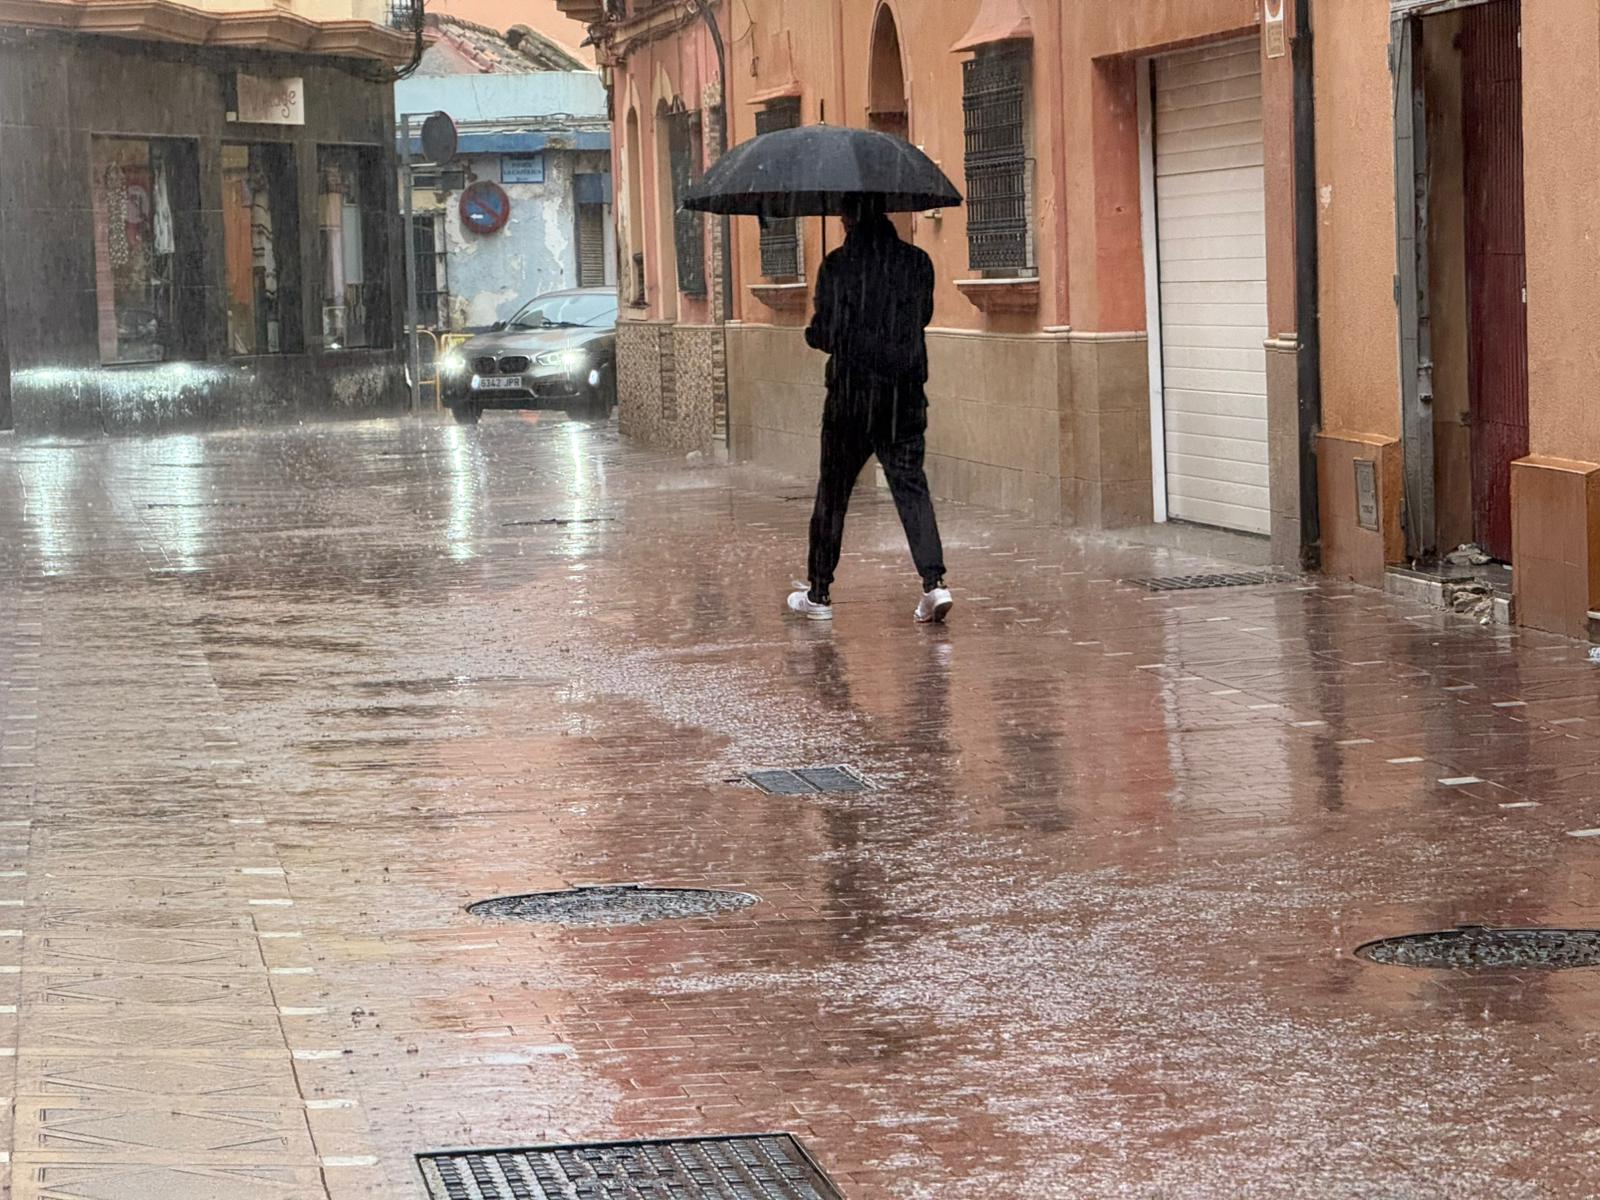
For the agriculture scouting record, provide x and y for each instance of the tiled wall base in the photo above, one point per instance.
(667, 378)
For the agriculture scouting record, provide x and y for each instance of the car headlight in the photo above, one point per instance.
(453, 364)
(572, 360)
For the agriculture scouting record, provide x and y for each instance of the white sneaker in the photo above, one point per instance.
(934, 606)
(800, 602)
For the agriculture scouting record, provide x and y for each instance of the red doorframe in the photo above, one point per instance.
(1497, 345)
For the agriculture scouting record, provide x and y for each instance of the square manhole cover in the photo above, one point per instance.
(809, 781)
(761, 1167)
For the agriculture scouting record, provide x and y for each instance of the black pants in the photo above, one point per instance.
(858, 423)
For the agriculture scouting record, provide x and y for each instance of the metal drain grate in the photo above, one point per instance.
(557, 521)
(1187, 583)
(809, 781)
(765, 1167)
(614, 905)
(1475, 948)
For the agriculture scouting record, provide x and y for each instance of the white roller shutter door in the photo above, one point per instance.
(1212, 248)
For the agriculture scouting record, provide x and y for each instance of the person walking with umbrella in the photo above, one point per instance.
(874, 300)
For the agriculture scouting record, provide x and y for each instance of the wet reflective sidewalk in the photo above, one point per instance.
(275, 707)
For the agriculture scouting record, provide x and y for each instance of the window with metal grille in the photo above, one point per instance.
(683, 149)
(995, 104)
(780, 238)
(405, 14)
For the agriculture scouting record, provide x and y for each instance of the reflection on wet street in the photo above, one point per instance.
(275, 707)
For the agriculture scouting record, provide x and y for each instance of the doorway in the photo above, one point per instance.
(888, 106)
(1463, 277)
(887, 110)
(1205, 237)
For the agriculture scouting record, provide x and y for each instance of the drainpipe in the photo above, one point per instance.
(1307, 289)
(6, 420)
(408, 240)
(838, 58)
(1058, 149)
(840, 86)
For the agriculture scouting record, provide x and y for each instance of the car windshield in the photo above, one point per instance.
(567, 312)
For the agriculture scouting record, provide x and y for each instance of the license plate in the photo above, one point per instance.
(500, 383)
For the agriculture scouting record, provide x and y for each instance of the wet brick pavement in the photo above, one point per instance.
(275, 707)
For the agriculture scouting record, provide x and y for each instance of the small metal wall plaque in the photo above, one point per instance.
(1275, 29)
(1367, 494)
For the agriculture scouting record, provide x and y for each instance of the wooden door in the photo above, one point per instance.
(1497, 349)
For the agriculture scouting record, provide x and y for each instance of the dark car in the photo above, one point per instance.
(560, 350)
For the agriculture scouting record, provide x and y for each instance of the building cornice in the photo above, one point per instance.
(616, 38)
(166, 21)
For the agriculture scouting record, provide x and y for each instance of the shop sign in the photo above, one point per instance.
(522, 168)
(263, 101)
(485, 207)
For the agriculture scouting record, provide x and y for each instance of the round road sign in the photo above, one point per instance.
(485, 207)
(439, 141)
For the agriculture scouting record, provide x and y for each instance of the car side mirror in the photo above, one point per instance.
(498, 327)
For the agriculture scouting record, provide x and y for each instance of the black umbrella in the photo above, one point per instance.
(814, 170)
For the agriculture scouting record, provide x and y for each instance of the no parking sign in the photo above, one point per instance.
(485, 207)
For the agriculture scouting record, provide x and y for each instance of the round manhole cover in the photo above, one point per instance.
(1474, 948)
(620, 905)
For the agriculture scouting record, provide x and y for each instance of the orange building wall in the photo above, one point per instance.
(989, 439)
(1085, 137)
(673, 68)
(826, 50)
(1561, 159)
(1105, 255)
(1356, 240)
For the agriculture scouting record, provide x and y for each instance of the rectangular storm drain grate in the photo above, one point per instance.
(808, 781)
(762, 1167)
(1186, 583)
(555, 522)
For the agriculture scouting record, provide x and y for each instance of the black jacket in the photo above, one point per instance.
(874, 299)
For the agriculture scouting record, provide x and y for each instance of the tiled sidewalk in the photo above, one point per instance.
(275, 707)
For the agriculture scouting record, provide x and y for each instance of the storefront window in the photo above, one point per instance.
(260, 233)
(146, 235)
(353, 204)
